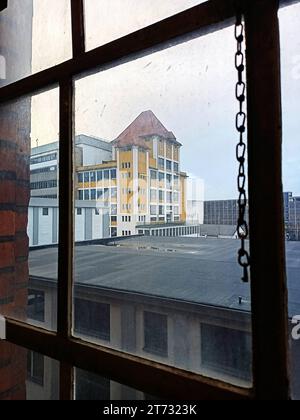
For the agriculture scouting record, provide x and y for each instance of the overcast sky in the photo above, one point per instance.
(190, 87)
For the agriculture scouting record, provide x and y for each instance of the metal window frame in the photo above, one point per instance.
(269, 292)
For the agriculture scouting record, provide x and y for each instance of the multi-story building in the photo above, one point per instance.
(225, 212)
(221, 212)
(142, 183)
(292, 216)
(44, 163)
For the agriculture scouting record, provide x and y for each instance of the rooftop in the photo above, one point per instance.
(82, 139)
(145, 125)
(197, 270)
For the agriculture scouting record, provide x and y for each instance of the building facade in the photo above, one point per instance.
(137, 177)
(226, 212)
(143, 183)
(91, 221)
(44, 163)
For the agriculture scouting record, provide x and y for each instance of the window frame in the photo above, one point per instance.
(268, 285)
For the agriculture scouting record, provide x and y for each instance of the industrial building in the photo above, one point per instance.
(178, 301)
(225, 212)
(137, 178)
(91, 221)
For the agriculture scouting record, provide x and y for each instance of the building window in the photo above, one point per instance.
(99, 194)
(99, 176)
(169, 197)
(35, 368)
(93, 176)
(153, 195)
(226, 350)
(42, 159)
(80, 195)
(45, 211)
(106, 175)
(114, 193)
(36, 305)
(153, 175)
(169, 165)
(153, 210)
(86, 177)
(41, 185)
(93, 194)
(176, 181)
(91, 387)
(86, 195)
(92, 319)
(113, 219)
(161, 176)
(97, 212)
(113, 174)
(161, 196)
(114, 232)
(161, 210)
(80, 177)
(79, 212)
(106, 194)
(169, 181)
(156, 334)
(114, 209)
(161, 163)
(176, 167)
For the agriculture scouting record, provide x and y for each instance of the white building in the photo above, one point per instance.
(91, 222)
(195, 200)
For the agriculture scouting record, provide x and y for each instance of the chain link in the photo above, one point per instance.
(241, 149)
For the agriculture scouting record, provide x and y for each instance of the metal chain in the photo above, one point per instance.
(241, 149)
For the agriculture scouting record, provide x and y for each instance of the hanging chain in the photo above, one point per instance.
(241, 149)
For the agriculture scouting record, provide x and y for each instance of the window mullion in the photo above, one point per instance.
(66, 225)
(267, 240)
(78, 29)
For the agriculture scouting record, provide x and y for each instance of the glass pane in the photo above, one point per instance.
(35, 34)
(91, 387)
(290, 58)
(107, 20)
(26, 375)
(29, 208)
(152, 279)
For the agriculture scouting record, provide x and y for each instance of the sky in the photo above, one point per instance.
(190, 87)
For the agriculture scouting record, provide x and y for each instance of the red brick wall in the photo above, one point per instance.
(15, 46)
(14, 200)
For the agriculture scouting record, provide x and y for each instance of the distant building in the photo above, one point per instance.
(44, 163)
(225, 212)
(222, 212)
(143, 183)
(137, 177)
(195, 200)
(91, 221)
(292, 216)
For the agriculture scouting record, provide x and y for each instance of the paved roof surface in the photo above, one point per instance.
(187, 269)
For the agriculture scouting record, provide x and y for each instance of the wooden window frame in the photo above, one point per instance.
(268, 285)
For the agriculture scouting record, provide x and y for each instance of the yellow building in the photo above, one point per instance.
(143, 183)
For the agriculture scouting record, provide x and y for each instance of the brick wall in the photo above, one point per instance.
(15, 46)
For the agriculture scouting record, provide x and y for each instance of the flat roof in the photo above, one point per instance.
(197, 270)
